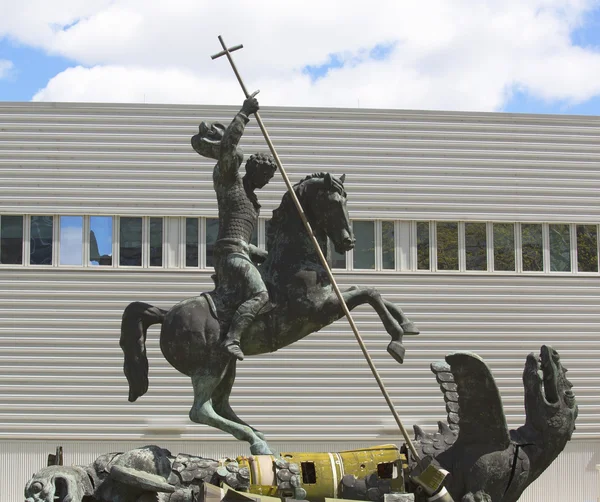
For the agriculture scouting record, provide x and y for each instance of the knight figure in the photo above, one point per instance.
(239, 284)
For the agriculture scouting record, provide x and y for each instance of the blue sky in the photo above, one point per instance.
(532, 56)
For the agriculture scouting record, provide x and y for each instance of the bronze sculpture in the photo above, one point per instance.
(239, 284)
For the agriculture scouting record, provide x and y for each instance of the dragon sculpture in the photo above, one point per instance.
(486, 461)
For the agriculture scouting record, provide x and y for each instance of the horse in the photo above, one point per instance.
(302, 302)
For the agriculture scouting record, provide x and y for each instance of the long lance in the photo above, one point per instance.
(227, 52)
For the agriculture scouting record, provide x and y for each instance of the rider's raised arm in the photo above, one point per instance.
(231, 157)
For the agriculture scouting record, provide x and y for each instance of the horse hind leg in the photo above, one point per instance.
(221, 396)
(203, 412)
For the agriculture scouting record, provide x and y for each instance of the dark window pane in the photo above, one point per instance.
(254, 236)
(40, 243)
(156, 242)
(191, 242)
(532, 247)
(447, 245)
(388, 245)
(71, 240)
(504, 246)
(212, 230)
(423, 245)
(11, 240)
(101, 240)
(130, 242)
(560, 248)
(338, 260)
(476, 246)
(309, 473)
(587, 248)
(364, 252)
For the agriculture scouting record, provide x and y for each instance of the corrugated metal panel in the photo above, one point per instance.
(60, 364)
(62, 377)
(573, 477)
(136, 159)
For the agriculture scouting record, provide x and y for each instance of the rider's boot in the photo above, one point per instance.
(242, 319)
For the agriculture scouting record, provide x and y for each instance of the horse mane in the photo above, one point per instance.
(287, 208)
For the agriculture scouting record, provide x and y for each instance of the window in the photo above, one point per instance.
(423, 245)
(385, 470)
(212, 231)
(71, 240)
(364, 252)
(40, 242)
(447, 245)
(101, 231)
(560, 248)
(309, 473)
(532, 247)
(130, 241)
(587, 248)
(504, 246)
(11, 240)
(338, 260)
(191, 242)
(156, 242)
(476, 246)
(388, 245)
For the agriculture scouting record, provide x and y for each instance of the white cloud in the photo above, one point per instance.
(457, 54)
(6, 67)
(71, 246)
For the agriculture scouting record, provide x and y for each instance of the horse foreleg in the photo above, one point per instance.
(406, 324)
(203, 412)
(221, 395)
(393, 318)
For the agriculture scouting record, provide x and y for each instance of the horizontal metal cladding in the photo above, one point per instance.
(137, 159)
(61, 366)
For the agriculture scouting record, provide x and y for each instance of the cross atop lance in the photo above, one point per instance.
(227, 52)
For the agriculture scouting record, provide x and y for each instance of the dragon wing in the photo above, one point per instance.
(473, 400)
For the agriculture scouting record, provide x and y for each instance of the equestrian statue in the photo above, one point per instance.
(263, 300)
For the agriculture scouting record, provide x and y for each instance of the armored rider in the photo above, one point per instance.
(235, 258)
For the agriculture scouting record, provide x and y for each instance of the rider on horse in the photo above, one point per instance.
(238, 279)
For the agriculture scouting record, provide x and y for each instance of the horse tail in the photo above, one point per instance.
(137, 318)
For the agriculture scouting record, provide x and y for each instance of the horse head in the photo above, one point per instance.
(324, 201)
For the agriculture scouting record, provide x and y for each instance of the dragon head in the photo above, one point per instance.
(58, 483)
(549, 401)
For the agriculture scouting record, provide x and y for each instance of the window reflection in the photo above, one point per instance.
(388, 245)
(532, 247)
(40, 242)
(364, 252)
(130, 241)
(587, 248)
(101, 231)
(560, 248)
(476, 246)
(212, 230)
(71, 240)
(423, 245)
(11, 240)
(156, 242)
(191, 242)
(504, 246)
(338, 260)
(447, 245)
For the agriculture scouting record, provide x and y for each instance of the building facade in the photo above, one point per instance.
(483, 227)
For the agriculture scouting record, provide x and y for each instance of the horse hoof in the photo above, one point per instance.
(397, 351)
(409, 328)
(260, 448)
